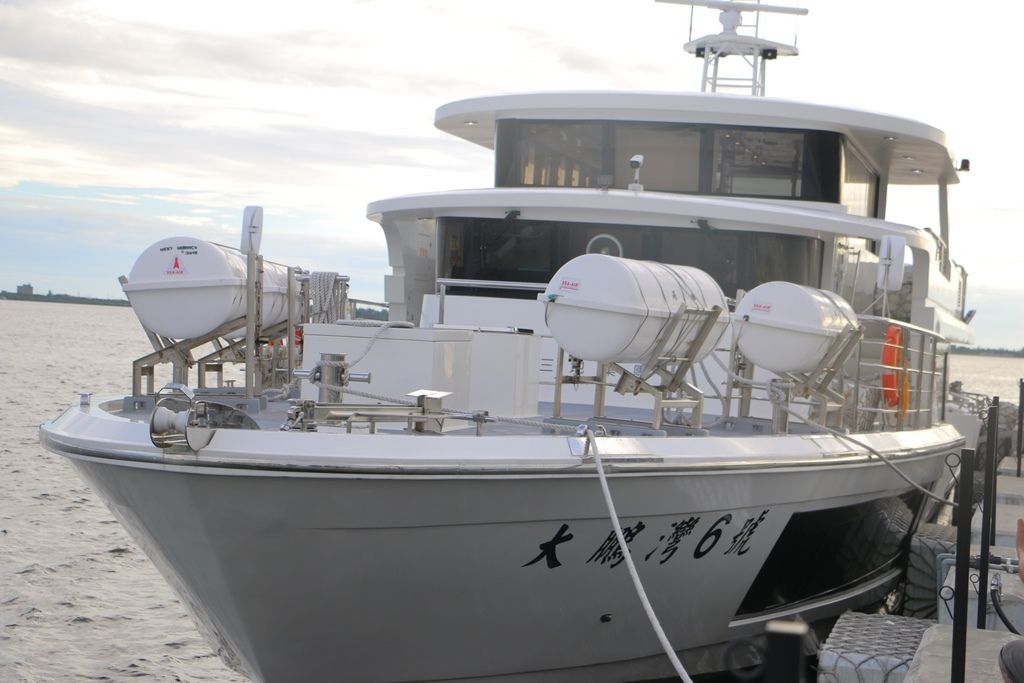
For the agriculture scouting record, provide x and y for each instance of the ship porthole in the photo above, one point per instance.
(605, 244)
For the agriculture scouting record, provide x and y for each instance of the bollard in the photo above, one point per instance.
(964, 512)
(988, 510)
(330, 375)
(784, 660)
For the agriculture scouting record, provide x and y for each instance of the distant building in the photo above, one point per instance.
(25, 290)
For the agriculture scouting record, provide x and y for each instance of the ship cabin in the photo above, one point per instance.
(750, 190)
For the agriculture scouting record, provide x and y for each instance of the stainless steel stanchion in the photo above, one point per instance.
(964, 512)
(1020, 423)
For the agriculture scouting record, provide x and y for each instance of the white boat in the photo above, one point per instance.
(769, 410)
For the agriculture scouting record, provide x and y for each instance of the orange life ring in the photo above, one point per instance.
(895, 383)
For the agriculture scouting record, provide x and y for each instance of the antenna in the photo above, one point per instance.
(754, 50)
(739, 6)
(252, 229)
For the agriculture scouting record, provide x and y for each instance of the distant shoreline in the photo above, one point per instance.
(62, 299)
(1002, 353)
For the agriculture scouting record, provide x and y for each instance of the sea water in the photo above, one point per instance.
(78, 599)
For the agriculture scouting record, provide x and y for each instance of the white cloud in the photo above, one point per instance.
(194, 109)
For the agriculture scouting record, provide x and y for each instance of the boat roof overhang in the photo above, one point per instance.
(904, 151)
(625, 207)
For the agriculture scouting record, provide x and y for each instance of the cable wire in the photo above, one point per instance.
(777, 400)
(846, 437)
(996, 600)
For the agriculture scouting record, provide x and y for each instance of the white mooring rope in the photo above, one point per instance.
(583, 430)
(383, 327)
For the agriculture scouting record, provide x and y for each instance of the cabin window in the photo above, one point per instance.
(772, 163)
(559, 154)
(531, 251)
(681, 158)
(671, 156)
(743, 260)
(612, 240)
(505, 250)
(860, 184)
(757, 163)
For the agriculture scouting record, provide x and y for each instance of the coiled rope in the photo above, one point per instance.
(322, 296)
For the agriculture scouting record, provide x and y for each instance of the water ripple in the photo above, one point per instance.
(77, 599)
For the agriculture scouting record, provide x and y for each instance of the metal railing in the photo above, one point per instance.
(353, 305)
(898, 385)
(890, 379)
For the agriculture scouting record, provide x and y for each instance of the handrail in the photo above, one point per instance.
(492, 284)
(943, 249)
(917, 373)
(379, 304)
(854, 397)
(901, 323)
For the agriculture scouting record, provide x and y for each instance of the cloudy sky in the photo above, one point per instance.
(124, 121)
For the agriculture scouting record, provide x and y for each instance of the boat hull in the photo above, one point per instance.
(320, 575)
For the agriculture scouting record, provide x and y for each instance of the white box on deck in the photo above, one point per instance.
(487, 370)
(503, 371)
(402, 360)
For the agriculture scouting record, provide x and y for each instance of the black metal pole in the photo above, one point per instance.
(993, 454)
(964, 512)
(1020, 423)
(784, 661)
(988, 513)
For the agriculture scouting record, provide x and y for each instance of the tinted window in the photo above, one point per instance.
(559, 154)
(508, 250)
(743, 260)
(531, 251)
(770, 163)
(754, 162)
(671, 157)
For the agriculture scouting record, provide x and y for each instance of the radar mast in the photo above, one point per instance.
(755, 50)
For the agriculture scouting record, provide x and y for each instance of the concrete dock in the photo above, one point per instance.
(1009, 508)
(934, 656)
(877, 650)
